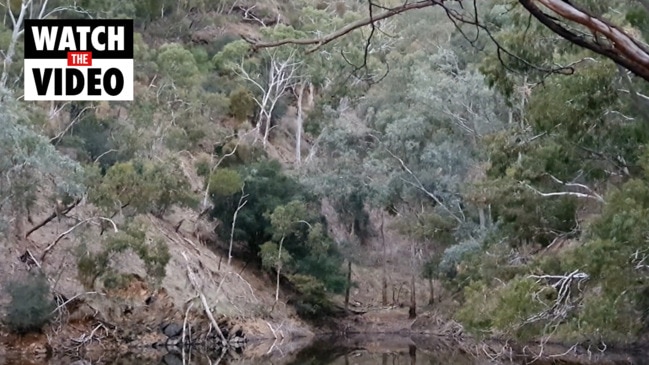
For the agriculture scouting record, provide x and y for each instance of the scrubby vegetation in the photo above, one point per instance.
(31, 306)
(517, 187)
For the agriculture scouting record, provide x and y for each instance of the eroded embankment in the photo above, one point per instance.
(139, 333)
(387, 331)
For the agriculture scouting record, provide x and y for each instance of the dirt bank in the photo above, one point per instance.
(197, 278)
(377, 331)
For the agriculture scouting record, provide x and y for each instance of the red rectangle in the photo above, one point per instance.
(79, 58)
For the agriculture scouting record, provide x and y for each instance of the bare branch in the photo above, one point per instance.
(568, 193)
(60, 135)
(281, 77)
(56, 213)
(59, 237)
(320, 41)
(73, 298)
(206, 307)
(620, 47)
(18, 29)
(189, 307)
(582, 186)
(16, 32)
(563, 304)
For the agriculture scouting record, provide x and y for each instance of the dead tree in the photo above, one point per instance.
(564, 303)
(281, 76)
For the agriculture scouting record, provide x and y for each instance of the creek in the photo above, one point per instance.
(356, 350)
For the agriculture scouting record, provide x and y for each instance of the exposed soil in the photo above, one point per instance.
(131, 317)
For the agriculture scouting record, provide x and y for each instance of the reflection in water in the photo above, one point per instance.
(326, 351)
(363, 350)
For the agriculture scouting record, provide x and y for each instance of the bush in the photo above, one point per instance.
(153, 251)
(31, 305)
(313, 302)
(242, 104)
(225, 182)
(145, 186)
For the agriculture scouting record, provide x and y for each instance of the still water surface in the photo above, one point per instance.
(357, 351)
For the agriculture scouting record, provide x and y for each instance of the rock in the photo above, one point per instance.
(171, 329)
(172, 359)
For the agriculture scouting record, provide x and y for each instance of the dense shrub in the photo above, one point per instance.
(241, 104)
(145, 186)
(31, 304)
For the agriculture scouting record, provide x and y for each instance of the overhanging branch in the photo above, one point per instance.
(619, 46)
(623, 49)
(321, 41)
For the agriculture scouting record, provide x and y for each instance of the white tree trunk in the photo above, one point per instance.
(310, 99)
(279, 268)
(242, 203)
(483, 219)
(17, 31)
(298, 125)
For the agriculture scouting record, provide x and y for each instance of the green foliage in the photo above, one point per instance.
(312, 251)
(312, 301)
(97, 140)
(616, 246)
(431, 227)
(31, 304)
(267, 188)
(484, 132)
(228, 59)
(503, 310)
(144, 186)
(241, 103)
(285, 219)
(178, 63)
(455, 255)
(271, 258)
(225, 182)
(28, 162)
(203, 166)
(153, 252)
(280, 211)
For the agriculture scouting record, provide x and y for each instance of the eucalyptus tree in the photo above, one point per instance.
(27, 161)
(576, 127)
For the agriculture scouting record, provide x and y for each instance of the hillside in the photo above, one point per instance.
(289, 169)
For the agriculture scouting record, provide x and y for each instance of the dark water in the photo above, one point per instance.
(327, 351)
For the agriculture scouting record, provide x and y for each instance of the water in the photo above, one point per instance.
(362, 350)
